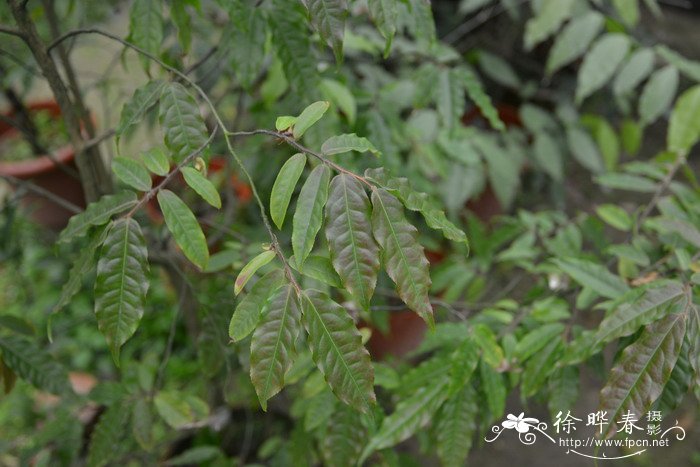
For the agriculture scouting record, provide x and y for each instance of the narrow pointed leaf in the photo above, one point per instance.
(272, 345)
(658, 94)
(600, 63)
(202, 186)
(184, 227)
(134, 110)
(349, 142)
(308, 117)
(455, 425)
(121, 283)
(643, 370)
(634, 71)
(247, 313)
(574, 40)
(551, 15)
(249, 269)
(336, 348)
(475, 91)
(450, 97)
(594, 276)
(98, 213)
(146, 27)
(684, 127)
(183, 126)
(328, 17)
(402, 255)
(31, 363)
(384, 13)
(309, 212)
(283, 188)
(246, 34)
(131, 173)
(354, 252)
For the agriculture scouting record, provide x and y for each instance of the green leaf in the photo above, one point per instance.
(679, 382)
(308, 117)
(33, 364)
(631, 135)
(634, 71)
(584, 149)
(142, 423)
(623, 181)
(284, 122)
(476, 93)
(344, 438)
(574, 40)
(107, 435)
(354, 252)
(198, 455)
(422, 23)
(384, 14)
(540, 366)
(402, 255)
(417, 201)
(600, 63)
(97, 213)
(272, 345)
(309, 212)
(134, 110)
(146, 28)
(202, 186)
(183, 126)
(249, 269)
(551, 15)
(156, 161)
(293, 46)
(535, 340)
(336, 348)
(411, 414)
(658, 94)
(82, 265)
(184, 227)
(179, 409)
(498, 70)
(181, 18)
(593, 276)
(615, 216)
(628, 10)
(246, 35)
(494, 388)
(328, 17)
(503, 170)
(131, 173)
(247, 314)
(319, 268)
(643, 369)
(455, 425)
(121, 283)
(348, 142)
(548, 156)
(486, 340)
(283, 188)
(690, 68)
(450, 98)
(563, 390)
(684, 127)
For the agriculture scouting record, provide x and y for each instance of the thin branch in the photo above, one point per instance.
(64, 203)
(13, 32)
(663, 186)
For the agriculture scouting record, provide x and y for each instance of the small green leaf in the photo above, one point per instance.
(402, 255)
(121, 284)
(574, 40)
(539, 367)
(202, 186)
(592, 275)
(476, 93)
(346, 143)
(548, 155)
(450, 97)
(179, 409)
(344, 438)
(284, 122)
(455, 424)
(146, 28)
(485, 339)
(336, 348)
(658, 94)
(184, 227)
(249, 269)
(131, 173)
(634, 71)
(318, 268)
(105, 443)
(584, 149)
(134, 110)
(551, 15)
(33, 364)
(341, 96)
(684, 127)
(183, 126)
(283, 188)
(623, 181)
(308, 216)
(615, 216)
(494, 388)
(97, 213)
(535, 340)
(247, 313)
(384, 14)
(328, 17)
(156, 161)
(600, 63)
(272, 345)
(308, 117)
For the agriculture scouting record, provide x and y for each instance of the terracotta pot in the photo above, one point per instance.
(42, 171)
(406, 331)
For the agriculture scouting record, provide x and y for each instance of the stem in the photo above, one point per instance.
(64, 203)
(663, 186)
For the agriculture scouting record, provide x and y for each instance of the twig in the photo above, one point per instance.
(13, 32)
(64, 203)
(663, 186)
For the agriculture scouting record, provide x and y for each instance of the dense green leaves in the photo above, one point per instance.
(33, 364)
(600, 63)
(309, 212)
(202, 186)
(183, 126)
(249, 269)
(354, 252)
(122, 283)
(134, 110)
(131, 173)
(272, 345)
(643, 370)
(402, 255)
(97, 213)
(574, 40)
(348, 142)
(283, 188)
(328, 16)
(336, 348)
(684, 127)
(184, 227)
(247, 313)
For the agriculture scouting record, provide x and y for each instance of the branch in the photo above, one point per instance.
(13, 32)
(663, 186)
(64, 203)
